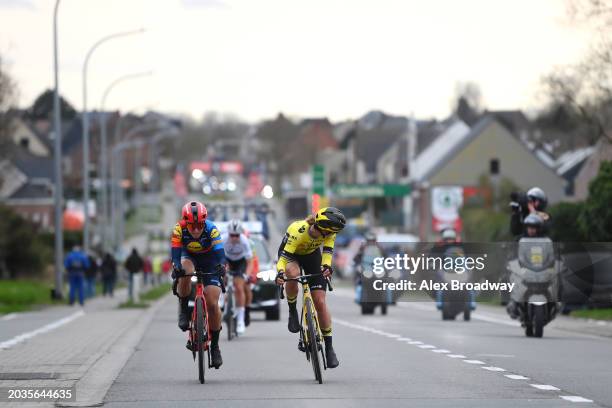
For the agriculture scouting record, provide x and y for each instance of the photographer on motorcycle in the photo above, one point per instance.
(523, 205)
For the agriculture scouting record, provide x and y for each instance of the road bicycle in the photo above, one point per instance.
(229, 308)
(311, 338)
(198, 340)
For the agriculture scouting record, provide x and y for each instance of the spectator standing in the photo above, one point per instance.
(134, 265)
(147, 269)
(76, 263)
(90, 277)
(108, 270)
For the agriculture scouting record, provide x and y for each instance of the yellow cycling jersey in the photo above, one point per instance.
(298, 241)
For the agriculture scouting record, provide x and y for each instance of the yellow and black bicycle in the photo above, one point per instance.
(311, 338)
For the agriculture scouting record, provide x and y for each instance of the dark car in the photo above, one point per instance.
(265, 292)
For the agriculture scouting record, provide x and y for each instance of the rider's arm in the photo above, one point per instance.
(176, 245)
(287, 248)
(217, 244)
(328, 250)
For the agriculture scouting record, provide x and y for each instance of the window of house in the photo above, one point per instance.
(494, 166)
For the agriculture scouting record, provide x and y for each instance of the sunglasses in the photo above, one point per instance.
(196, 226)
(234, 235)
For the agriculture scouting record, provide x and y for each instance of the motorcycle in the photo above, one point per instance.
(365, 295)
(536, 275)
(453, 302)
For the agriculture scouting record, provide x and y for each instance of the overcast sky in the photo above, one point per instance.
(255, 58)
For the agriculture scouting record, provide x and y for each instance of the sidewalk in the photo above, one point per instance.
(98, 334)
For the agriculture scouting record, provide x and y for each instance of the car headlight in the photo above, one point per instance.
(267, 275)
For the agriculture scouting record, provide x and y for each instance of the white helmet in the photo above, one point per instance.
(234, 227)
(449, 233)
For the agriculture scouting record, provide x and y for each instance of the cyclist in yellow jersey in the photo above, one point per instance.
(301, 248)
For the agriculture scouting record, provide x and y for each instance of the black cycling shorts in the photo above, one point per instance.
(237, 268)
(311, 264)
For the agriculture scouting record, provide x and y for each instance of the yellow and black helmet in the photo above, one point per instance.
(330, 219)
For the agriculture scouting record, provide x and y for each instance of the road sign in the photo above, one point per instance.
(371, 190)
(318, 179)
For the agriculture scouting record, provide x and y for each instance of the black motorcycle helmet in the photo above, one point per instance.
(537, 194)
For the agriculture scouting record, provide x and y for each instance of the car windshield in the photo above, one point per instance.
(261, 250)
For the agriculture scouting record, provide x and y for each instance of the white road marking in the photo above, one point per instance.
(475, 315)
(393, 336)
(575, 398)
(455, 355)
(473, 361)
(427, 346)
(496, 355)
(442, 351)
(44, 329)
(403, 339)
(499, 369)
(10, 316)
(415, 342)
(516, 377)
(545, 387)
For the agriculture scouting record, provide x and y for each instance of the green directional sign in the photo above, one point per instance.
(371, 190)
(318, 179)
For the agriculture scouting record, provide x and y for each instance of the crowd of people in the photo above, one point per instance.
(86, 270)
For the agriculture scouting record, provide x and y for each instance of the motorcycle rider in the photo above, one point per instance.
(449, 238)
(533, 228)
(534, 202)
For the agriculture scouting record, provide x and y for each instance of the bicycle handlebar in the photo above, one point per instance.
(200, 274)
(302, 279)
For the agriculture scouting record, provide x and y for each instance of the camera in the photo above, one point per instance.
(518, 202)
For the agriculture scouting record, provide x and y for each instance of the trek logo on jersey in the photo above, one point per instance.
(194, 247)
(214, 233)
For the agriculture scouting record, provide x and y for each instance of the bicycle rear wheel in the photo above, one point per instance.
(229, 314)
(200, 338)
(312, 341)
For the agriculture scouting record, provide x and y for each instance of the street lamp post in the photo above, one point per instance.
(85, 119)
(104, 155)
(117, 174)
(58, 190)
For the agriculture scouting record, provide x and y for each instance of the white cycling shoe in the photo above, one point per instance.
(240, 327)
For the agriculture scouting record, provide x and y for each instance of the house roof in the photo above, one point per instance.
(34, 167)
(32, 191)
(449, 143)
(570, 160)
(376, 132)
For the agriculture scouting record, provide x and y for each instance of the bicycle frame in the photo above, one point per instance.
(307, 297)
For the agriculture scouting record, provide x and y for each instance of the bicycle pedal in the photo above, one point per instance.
(301, 347)
(188, 345)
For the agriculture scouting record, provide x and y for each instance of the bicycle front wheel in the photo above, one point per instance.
(200, 338)
(312, 341)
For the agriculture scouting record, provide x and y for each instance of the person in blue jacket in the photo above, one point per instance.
(76, 263)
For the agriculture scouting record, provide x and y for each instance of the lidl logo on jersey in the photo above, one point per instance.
(194, 247)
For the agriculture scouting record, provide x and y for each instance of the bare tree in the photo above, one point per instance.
(467, 102)
(583, 91)
(8, 92)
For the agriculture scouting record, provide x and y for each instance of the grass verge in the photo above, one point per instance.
(598, 314)
(23, 295)
(147, 297)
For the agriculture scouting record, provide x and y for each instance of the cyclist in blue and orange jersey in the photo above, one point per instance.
(196, 244)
